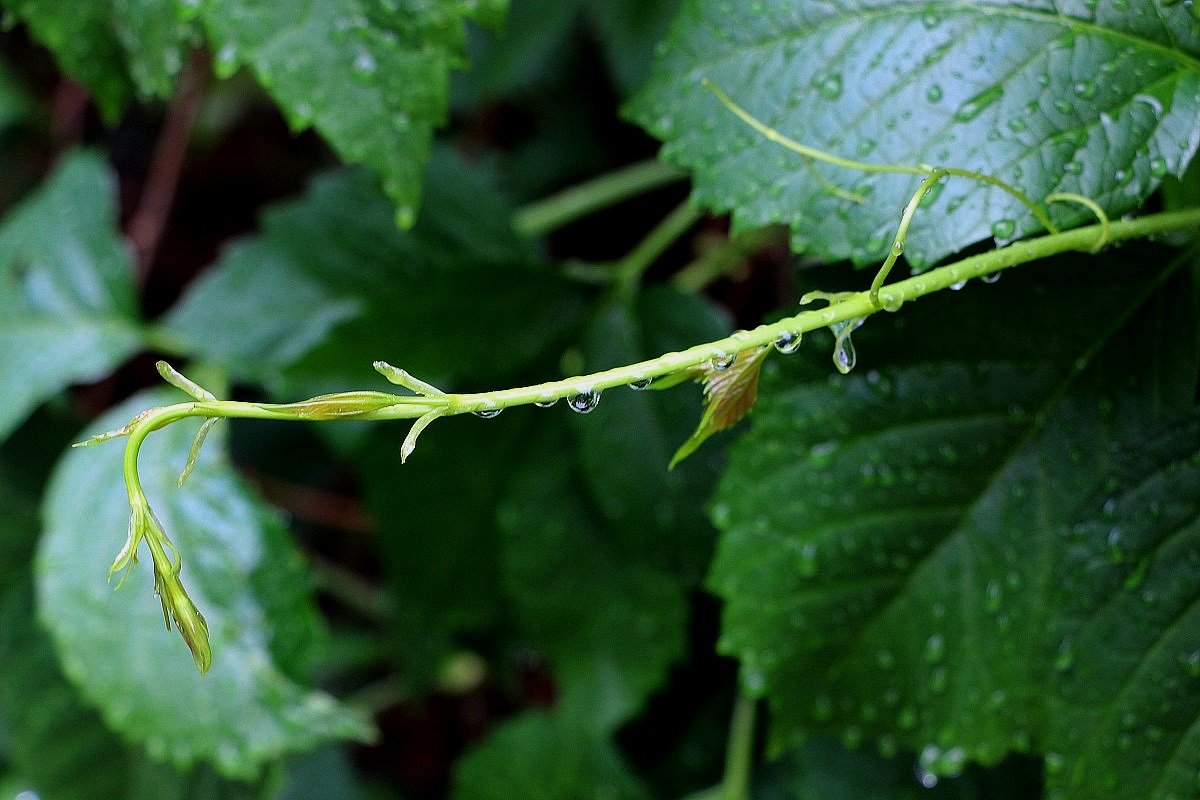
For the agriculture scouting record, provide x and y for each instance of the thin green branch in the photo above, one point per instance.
(582, 392)
(551, 213)
(630, 268)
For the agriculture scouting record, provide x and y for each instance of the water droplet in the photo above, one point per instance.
(364, 64)
(641, 384)
(584, 402)
(723, 361)
(831, 86)
(1003, 229)
(488, 413)
(890, 302)
(954, 287)
(994, 596)
(788, 342)
(934, 93)
(991, 277)
(1073, 168)
(549, 401)
(1016, 125)
(975, 106)
(807, 563)
(935, 648)
(931, 21)
(1085, 89)
(1062, 106)
(226, 61)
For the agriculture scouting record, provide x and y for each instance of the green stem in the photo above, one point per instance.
(772, 135)
(906, 219)
(739, 757)
(370, 405)
(551, 213)
(640, 258)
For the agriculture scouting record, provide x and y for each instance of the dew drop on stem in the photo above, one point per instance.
(788, 342)
(584, 402)
(641, 384)
(991, 277)
(549, 401)
(488, 413)
(723, 361)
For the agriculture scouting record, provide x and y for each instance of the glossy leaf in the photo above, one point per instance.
(62, 746)
(67, 308)
(1096, 99)
(897, 553)
(245, 712)
(371, 76)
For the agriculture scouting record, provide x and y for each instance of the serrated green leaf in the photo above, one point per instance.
(893, 557)
(58, 744)
(155, 41)
(372, 77)
(538, 758)
(61, 746)
(245, 712)
(625, 445)
(331, 286)
(1100, 100)
(82, 38)
(67, 307)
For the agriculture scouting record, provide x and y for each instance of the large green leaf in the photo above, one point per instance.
(61, 745)
(245, 712)
(612, 528)
(893, 553)
(67, 307)
(536, 757)
(1098, 99)
(331, 285)
(371, 75)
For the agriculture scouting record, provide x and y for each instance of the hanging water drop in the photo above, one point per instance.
(584, 402)
(641, 384)
(549, 401)
(723, 361)
(788, 342)
(954, 287)
(844, 357)
(991, 277)
(488, 413)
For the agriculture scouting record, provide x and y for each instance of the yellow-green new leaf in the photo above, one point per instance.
(729, 392)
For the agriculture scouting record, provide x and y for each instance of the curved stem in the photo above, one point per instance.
(549, 214)
(642, 257)
(808, 151)
(906, 219)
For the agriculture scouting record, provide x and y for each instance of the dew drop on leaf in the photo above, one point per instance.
(584, 402)
(788, 342)
(831, 86)
(1085, 89)
(934, 93)
(1003, 229)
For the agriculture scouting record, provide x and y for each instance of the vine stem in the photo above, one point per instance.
(551, 213)
(370, 405)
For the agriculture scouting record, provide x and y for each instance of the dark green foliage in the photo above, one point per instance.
(971, 564)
